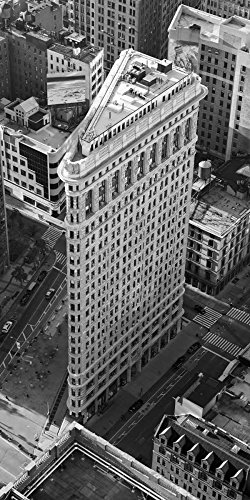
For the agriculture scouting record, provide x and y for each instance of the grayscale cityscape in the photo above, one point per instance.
(124, 249)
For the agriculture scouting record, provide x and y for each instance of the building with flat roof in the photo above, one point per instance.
(128, 186)
(218, 239)
(31, 150)
(140, 24)
(200, 397)
(226, 8)
(202, 458)
(80, 464)
(218, 50)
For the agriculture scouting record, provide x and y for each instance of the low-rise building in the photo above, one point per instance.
(200, 397)
(80, 464)
(219, 238)
(31, 150)
(204, 459)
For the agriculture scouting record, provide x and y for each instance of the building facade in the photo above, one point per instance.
(31, 150)
(5, 80)
(4, 241)
(218, 50)
(128, 193)
(227, 8)
(137, 24)
(88, 60)
(46, 14)
(219, 238)
(28, 63)
(202, 458)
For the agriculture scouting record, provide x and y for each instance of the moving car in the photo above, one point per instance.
(7, 326)
(49, 294)
(42, 276)
(135, 406)
(199, 309)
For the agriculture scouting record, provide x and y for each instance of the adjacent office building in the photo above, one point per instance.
(218, 50)
(219, 239)
(128, 186)
(28, 62)
(31, 149)
(119, 25)
(204, 459)
(5, 80)
(4, 242)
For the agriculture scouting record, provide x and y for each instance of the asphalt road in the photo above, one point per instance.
(136, 435)
(34, 309)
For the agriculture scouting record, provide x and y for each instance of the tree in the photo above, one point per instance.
(42, 245)
(19, 274)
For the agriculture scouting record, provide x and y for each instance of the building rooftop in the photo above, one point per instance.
(203, 390)
(83, 465)
(210, 26)
(232, 410)
(36, 6)
(49, 137)
(84, 54)
(218, 210)
(133, 84)
(225, 199)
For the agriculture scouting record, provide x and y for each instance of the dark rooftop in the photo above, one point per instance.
(78, 478)
(228, 171)
(203, 391)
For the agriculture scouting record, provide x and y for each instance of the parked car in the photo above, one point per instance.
(25, 299)
(179, 362)
(49, 294)
(7, 326)
(42, 276)
(194, 347)
(135, 406)
(200, 309)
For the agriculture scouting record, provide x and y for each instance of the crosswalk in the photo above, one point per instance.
(51, 235)
(60, 257)
(242, 316)
(222, 343)
(208, 318)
